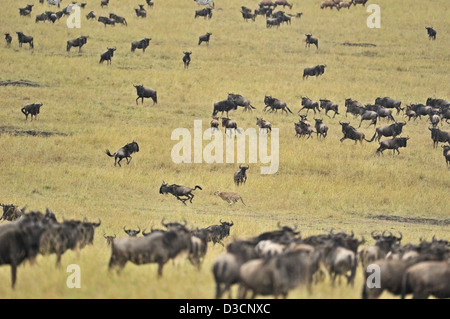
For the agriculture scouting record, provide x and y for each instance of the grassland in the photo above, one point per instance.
(320, 184)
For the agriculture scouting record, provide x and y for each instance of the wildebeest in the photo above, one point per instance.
(26, 11)
(383, 245)
(204, 38)
(314, 71)
(421, 110)
(446, 153)
(91, 15)
(431, 33)
(367, 115)
(106, 20)
(205, 12)
(309, 104)
(219, 232)
(20, 242)
(427, 278)
(31, 109)
(132, 232)
(142, 44)
(41, 17)
(215, 123)
(124, 152)
(25, 39)
(389, 103)
(439, 136)
(310, 40)
(107, 56)
(363, 2)
(275, 104)
(328, 105)
(229, 124)
(248, 15)
(8, 39)
(239, 100)
(150, 3)
(11, 212)
(328, 4)
(78, 42)
(390, 130)
(179, 191)
(224, 106)
(354, 107)
(283, 3)
(351, 133)
(434, 119)
(157, 247)
(270, 22)
(393, 144)
(144, 92)
(321, 128)
(240, 177)
(141, 12)
(263, 125)
(302, 129)
(104, 3)
(186, 58)
(109, 239)
(118, 19)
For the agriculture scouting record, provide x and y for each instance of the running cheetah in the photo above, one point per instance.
(229, 197)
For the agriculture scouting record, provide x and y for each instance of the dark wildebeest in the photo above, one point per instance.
(11, 212)
(321, 128)
(393, 144)
(118, 19)
(439, 136)
(204, 38)
(104, 3)
(390, 130)
(25, 39)
(431, 33)
(410, 113)
(20, 242)
(187, 58)
(41, 17)
(328, 4)
(205, 12)
(367, 115)
(309, 104)
(427, 278)
(310, 40)
(109, 239)
(91, 15)
(421, 109)
(27, 10)
(150, 3)
(389, 103)
(240, 177)
(270, 22)
(363, 2)
(446, 153)
(224, 106)
(132, 232)
(179, 191)
(142, 44)
(158, 247)
(107, 56)
(248, 15)
(8, 39)
(219, 232)
(229, 124)
(106, 20)
(241, 101)
(124, 152)
(302, 129)
(215, 123)
(263, 125)
(328, 105)
(314, 71)
(78, 42)
(354, 107)
(141, 12)
(351, 133)
(144, 92)
(275, 104)
(31, 109)
(283, 3)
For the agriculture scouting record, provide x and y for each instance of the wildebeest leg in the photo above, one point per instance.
(13, 274)
(118, 162)
(128, 160)
(160, 268)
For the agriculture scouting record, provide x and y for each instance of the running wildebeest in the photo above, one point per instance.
(367, 115)
(124, 152)
(351, 133)
(25, 39)
(309, 104)
(328, 105)
(107, 55)
(141, 12)
(144, 92)
(8, 39)
(321, 128)
(31, 109)
(393, 144)
(390, 130)
(186, 59)
(389, 103)
(204, 38)
(263, 124)
(275, 104)
(41, 17)
(241, 101)
(118, 19)
(314, 71)
(106, 20)
(91, 15)
(229, 124)
(240, 177)
(310, 40)
(431, 33)
(215, 123)
(224, 106)
(26, 11)
(283, 3)
(178, 191)
(109, 239)
(78, 42)
(104, 3)
(142, 44)
(363, 2)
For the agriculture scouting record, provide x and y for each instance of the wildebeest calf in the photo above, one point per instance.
(187, 59)
(32, 109)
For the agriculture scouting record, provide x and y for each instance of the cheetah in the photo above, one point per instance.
(229, 197)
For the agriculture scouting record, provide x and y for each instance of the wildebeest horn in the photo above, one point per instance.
(162, 222)
(401, 236)
(97, 224)
(231, 223)
(124, 228)
(373, 235)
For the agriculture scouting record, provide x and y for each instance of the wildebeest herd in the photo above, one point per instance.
(282, 254)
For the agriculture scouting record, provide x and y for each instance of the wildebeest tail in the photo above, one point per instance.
(109, 154)
(405, 287)
(243, 201)
(373, 137)
(289, 110)
(23, 111)
(196, 186)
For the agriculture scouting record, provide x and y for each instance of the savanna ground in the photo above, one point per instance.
(320, 184)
